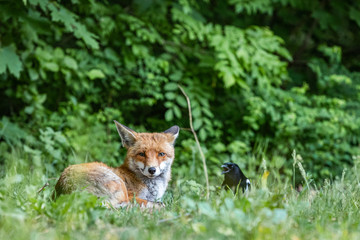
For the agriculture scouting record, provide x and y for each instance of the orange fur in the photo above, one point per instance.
(131, 180)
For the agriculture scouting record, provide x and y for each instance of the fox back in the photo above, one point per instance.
(144, 174)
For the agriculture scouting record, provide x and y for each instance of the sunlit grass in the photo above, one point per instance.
(272, 210)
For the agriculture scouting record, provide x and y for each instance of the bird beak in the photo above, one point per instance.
(225, 168)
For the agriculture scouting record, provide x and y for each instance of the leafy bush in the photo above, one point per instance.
(259, 76)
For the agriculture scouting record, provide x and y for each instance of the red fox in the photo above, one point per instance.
(144, 175)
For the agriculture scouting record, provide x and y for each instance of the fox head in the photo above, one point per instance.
(150, 154)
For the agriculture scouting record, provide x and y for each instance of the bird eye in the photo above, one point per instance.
(141, 154)
(161, 154)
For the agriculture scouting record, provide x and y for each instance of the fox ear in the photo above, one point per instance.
(127, 135)
(174, 131)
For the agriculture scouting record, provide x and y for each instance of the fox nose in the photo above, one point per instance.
(152, 170)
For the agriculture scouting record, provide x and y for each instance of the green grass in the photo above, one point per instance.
(271, 211)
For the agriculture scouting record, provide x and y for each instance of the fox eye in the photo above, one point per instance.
(141, 154)
(161, 154)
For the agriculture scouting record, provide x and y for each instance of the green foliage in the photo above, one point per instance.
(264, 77)
(9, 60)
(268, 212)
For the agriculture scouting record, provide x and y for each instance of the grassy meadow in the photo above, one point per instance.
(272, 210)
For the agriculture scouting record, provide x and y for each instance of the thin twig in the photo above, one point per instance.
(43, 187)
(197, 142)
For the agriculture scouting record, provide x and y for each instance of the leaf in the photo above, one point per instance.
(70, 63)
(58, 53)
(88, 37)
(197, 123)
(29, 109)
(202, 134)
(170, 95)
(196, 112)
(111, 55)
(43, 54)
(176, 76)
(168, 104)
(33, 74)
(170, 86)
(169, 115)
(208, 112)
(95, 73)
(229, 79)
(11, 132)
(61, 14)
(177, 111)
(10, 60)
(51, 66)
(181, 101)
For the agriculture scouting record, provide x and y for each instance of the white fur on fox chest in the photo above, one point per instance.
(155, 188)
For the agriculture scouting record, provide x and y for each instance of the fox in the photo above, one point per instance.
(143, 177)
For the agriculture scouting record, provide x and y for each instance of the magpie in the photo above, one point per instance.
(234, 178)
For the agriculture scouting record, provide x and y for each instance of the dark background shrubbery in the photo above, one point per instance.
(264, 78)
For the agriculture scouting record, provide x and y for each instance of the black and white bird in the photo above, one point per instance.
(234, 178)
